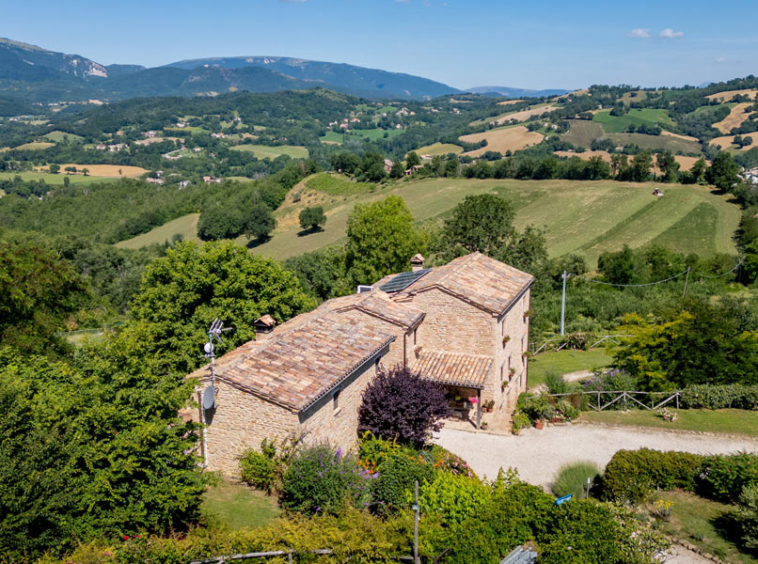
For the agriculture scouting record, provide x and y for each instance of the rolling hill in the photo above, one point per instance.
(511, 92)
(585, 218)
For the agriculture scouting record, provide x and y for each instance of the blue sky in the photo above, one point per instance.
(464, 43)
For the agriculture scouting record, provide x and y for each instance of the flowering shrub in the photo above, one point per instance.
(401, 405)
(323, 480)
(452, 498)
(446, 461)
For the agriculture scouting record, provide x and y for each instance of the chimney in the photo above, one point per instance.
(417, 262)
(264, 324)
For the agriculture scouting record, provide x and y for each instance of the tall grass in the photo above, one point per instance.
(572, 478)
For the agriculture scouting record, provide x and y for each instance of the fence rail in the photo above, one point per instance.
(627, 396)
(560, 343)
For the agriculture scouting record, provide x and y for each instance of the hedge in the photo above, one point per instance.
(632, 475)
(732, 396)
(724, 478)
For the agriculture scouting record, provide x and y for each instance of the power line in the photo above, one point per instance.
(631, 285)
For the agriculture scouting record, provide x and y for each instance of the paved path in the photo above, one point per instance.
(539, 454)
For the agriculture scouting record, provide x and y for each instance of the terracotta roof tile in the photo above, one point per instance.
(453, 369)
(296, 366)
(477, 278)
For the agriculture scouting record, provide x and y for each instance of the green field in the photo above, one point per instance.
(58, 136)
(440, 149)
(657, 142)
(185, 226)
(55, 179)
(35, 146)
(337, 185)
(620, 124)
(357, 134)
(586, 218)
(728, 421)
(583, 132)
(235, 506)
(266, 152)
(565, 362)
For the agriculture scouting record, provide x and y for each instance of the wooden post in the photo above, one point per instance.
(677, 400)
(479, 409)
(598, 400)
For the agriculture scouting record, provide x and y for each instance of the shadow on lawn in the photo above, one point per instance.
(728, 526)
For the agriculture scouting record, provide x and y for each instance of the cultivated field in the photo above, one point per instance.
(509, 102)
(685, 163)
(735, 119)
(35, 146)
(677, 136)
(264, 151)
(53, 179)
(587, 218)
(503, 139)
(370, 134)
(103, 171)
(656, 142)
(727, 145)
(582, 132)
(729, 94)
(58, 136)
(185, 226)
(620, 124)
(440, 149)
(520, 116)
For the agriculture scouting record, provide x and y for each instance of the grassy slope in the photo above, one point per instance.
(439, 149)
(579, 217)
(730, 421)
(620, 124)
(263, 151)
(237, 507)
(355, 134)
(696, 520)
(565, 362)
(185, 225)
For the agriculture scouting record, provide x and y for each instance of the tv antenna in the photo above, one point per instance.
(214, 332)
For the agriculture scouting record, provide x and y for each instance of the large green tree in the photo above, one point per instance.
(482, 223)
(91, 449)
(723, 172)
(38, 292)
(183, 292)
(381, 240)
(704, 343)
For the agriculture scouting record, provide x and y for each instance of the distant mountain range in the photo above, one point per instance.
(516, 92)
(32, 74)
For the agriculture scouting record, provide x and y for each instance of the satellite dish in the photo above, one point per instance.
(209, 398)
(208, 348)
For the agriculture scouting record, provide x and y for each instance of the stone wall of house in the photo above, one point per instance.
(241, 421)
(452, 325)
(338, 425)
(509, 355)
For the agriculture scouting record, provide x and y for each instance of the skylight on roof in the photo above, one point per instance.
(403, 280)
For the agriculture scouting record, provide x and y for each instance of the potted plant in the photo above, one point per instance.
(484, 424)
(503, 385)
(520, 421)
(528, 313)
(506, 339)
(539, 424)
(490, 405)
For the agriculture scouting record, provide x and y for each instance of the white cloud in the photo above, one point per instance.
(639, 33)
(669, 33)
(720, 60)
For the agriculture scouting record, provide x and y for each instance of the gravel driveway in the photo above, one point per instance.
(539, 454)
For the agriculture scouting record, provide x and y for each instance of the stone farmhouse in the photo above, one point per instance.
(464, 325)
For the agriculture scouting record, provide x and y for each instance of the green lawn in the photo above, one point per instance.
(583, 132)
(185, 226)
(565, 362)
(657, 142)
(237, 507)
(620, 124)
(55, 179)
(35, 146)
(729, 421)
(264, 151)
(702, 522)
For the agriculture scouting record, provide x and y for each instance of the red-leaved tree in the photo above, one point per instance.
(401, 405)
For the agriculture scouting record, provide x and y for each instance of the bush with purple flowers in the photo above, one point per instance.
(400, 405)
(321, 479)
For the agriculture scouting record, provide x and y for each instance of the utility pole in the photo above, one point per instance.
(686, 279)
(416, 511)
(563, 305)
